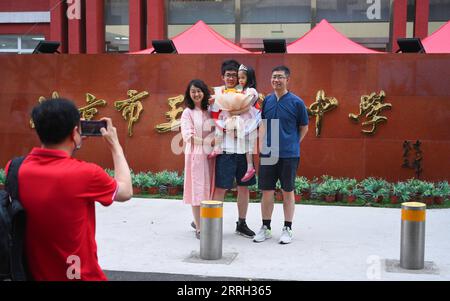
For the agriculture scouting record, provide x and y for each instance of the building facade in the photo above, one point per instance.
(98, 26)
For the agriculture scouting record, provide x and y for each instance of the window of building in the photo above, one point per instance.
(19, 44)
(219, 15)
(265, 19)
(281, 11)
(439, 10)
(353, 10)
(184, 12)
(117, 22)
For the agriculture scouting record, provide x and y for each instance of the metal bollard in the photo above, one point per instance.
(412, 245)
(211, 218)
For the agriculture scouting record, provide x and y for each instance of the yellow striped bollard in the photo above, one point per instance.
(412, 245)
(211, 220)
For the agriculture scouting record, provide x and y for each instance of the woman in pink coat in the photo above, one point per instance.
(197, 131)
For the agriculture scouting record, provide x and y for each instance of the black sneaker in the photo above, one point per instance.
(242, 229)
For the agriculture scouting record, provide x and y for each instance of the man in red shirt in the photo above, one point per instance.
(59, 193)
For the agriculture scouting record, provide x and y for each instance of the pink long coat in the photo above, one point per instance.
(198, 169)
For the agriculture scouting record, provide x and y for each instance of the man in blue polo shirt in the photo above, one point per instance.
(287, 125)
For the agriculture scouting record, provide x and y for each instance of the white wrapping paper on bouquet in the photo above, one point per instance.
(234, 104)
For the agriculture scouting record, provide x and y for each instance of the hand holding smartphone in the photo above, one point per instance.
(92, 127)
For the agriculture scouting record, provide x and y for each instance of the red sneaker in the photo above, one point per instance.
(248, 175)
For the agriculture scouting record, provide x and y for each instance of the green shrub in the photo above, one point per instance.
(346, 184)
(254, 187)
(278, 185)
(368, 189)
(133, 179)
(402, 190)
(301, 184)
(151, 181)
(374, 188)
(110, 172)
(313, 185)
(442, 189)
(175, 179)
(142, 180)
(329, 186)
(2, 176)
(163, 178)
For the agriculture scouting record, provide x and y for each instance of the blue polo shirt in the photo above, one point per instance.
(291, 113)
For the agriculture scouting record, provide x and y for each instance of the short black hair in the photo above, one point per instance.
(55, 119)
(198, 83)
(283, 68)
(229, 65)
(251, 78)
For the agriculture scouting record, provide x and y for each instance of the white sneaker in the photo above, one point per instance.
(263, 234)
(286, 236)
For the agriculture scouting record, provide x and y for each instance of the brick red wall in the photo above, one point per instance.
(415, 85)
(29, 29)
(24, 5)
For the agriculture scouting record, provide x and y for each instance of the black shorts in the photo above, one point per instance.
(284, 170)
(231, 167)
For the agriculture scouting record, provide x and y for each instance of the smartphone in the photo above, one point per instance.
(92, 127)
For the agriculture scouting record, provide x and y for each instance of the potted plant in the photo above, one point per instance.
(254, 190)
(441, 191)
(328, 189)
(278, 192)
(340, 186)
(313, 185)
(417, 188)
(181, 182)
(143, 181)
(376, 189)
(350, 195)
(136, 188)
(301, 188)
(381, 195)
(401, 192)
(427, 190)
(151, 184)
(2, 179)
(137, 180)
(173, 182)
(162, 179)
(345, 187)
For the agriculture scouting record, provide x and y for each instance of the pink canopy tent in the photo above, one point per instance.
(324, 38)
(438, 41)
(200, 38)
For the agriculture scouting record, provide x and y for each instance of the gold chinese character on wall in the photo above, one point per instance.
(173, 123)
(319, 107)
(88, 112)
(42, 99)
(131, 108)
(371, 107)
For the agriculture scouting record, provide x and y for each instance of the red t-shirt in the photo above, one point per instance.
(59, 195)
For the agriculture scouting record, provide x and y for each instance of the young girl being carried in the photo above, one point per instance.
(247, 80)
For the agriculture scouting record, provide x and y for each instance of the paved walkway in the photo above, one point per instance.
(330, 243)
